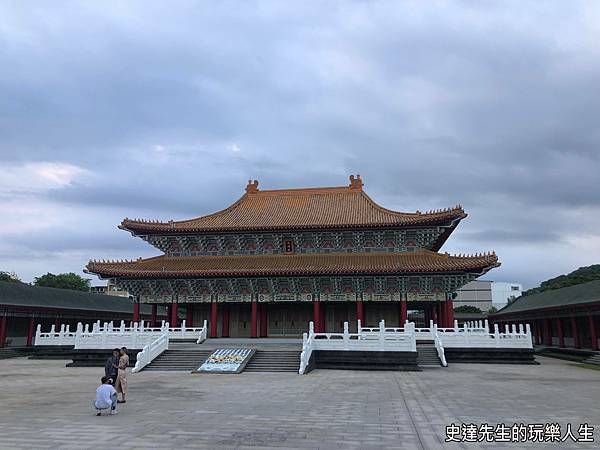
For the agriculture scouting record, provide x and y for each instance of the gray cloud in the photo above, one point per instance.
(170, 109)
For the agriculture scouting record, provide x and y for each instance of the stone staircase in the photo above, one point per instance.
(183, 360)
(14, 352)
(595, 360)
(427, 356)
(274, 361)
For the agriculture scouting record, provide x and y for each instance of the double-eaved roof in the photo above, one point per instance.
(579, 294)
(300, 209)
(301, 264)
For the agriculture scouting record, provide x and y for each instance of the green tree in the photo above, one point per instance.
(10, 277)
(492, 310)
(579, 276)
(467, 309)
(70, 281)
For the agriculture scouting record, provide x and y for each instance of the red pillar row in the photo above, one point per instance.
(593, 332)
(136, 311)
(450, 312)
(559, 331)
(174, 315)
(213, 319)
(153, 316)
(547, 332)
(253, 318)
(189, 315)
(3, 330)
(575, 332)
(263, 320)
(403, 312)
(30, 332)
(317, 316)
(225, 320)
(360, 312)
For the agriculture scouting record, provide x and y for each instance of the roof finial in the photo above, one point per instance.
(356, 182)
(252, 186)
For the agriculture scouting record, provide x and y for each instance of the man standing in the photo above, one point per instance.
(112, 365)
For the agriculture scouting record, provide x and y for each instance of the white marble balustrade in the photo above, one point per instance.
(107, 335)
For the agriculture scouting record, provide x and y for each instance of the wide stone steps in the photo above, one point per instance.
(274, 361)
(179, 360)
(595, 360)
(427, 356)
(8, 352)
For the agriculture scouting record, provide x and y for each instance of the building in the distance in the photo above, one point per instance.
(276, 259)
(109, 288)
(484, 294)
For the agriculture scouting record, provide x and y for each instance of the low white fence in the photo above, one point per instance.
(517, 337)
(382, 340)
(151, 351)
(109, 336)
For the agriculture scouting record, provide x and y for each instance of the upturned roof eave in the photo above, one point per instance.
(142, 228)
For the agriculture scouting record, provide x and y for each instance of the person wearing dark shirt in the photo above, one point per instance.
(111, 367)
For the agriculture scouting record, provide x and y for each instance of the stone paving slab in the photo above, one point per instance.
(45, 405)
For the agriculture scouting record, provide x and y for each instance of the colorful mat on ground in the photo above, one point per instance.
(226, 360)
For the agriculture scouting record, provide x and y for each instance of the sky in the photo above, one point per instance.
(164, 110)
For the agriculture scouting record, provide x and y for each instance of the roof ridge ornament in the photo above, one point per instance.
(252, 186)
(356, 182)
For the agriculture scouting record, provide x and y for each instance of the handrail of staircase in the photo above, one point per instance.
(439, 347)
(151, 351)
(307, 348)
(203, 333)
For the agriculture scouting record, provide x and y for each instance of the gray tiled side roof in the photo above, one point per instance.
(17, 294)
(572, 295)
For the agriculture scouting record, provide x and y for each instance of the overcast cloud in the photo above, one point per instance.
(164, 110)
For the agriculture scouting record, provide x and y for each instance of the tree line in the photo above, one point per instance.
(70, 280)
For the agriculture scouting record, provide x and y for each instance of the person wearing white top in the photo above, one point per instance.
(106, 397)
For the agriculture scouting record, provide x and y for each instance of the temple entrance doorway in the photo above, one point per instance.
(288, 319)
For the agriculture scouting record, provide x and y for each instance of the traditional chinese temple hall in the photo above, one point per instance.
(274, 260)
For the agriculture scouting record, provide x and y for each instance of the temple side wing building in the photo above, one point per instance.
(276, 259)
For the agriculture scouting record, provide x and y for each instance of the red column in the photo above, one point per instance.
(317, 315)
(213, 319)
(189, 315)
(403, 312)
(225, 320)
(30, 332)
(575, 332)
(322, 319)
(153, 316)
(360, 312)
(136, 311)
(57, 324)
(559, 331)
(253, 318)
(450, 312)
(593, 333)
(534, 332)
(3, 327)
(174, 315)
(264, 320)
(547, 332)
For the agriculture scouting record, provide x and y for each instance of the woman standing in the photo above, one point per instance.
(121, 384)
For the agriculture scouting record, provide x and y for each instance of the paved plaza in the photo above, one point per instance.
(43, 404)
